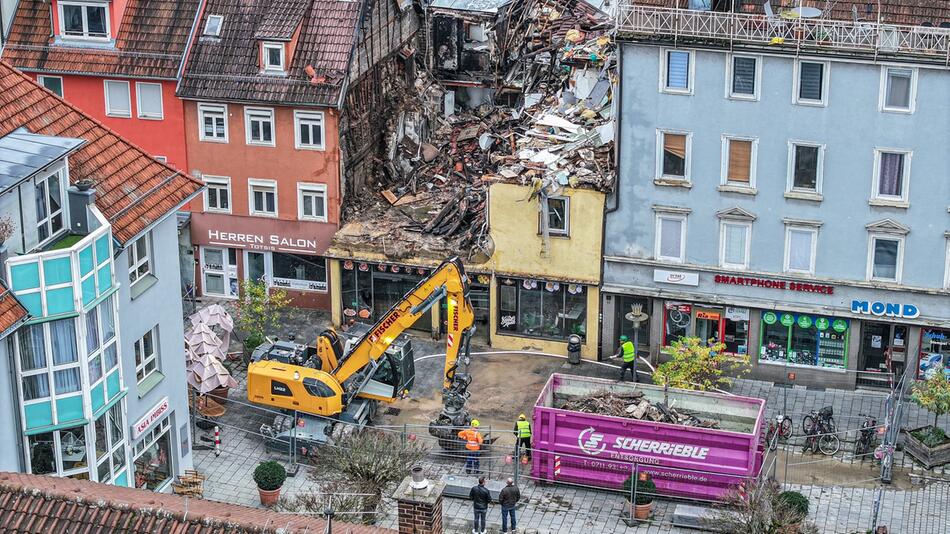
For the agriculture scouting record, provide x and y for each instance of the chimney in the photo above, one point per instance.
(81, 197)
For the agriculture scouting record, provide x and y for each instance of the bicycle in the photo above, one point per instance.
(821, 437)
(825, 414)
(782, 426)
(866, 439)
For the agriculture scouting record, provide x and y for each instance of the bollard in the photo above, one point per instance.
(217, 441)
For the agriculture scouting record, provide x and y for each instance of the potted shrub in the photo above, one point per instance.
(269, 477)
(646, 490)
(930, 444)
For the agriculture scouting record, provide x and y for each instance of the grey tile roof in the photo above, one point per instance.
(23, 154)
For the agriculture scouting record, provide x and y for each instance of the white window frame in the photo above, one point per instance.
(566, 232)
(660, 133)
(147, 359)
(825, 83)
(658, 238)
(730, 67)
(41, 79)
(227, 268)
(138, 101)
(216, 33)
(217, 181)
(904, 198)
(85, 20)
(135, 261)
(255, 113)
(256, 182)
(691, 72)
(160, 158)
(820, 168)
(899, 270)
(128, 91)
(212, 108)
(882, 100)
(789, 228)
(946, 274)
(305, 115)
(50, 214)
(265, 57)
(753, 161)
(304, 188)
(722, 243)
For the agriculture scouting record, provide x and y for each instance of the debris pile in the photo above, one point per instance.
(635, 406)
(432, 184)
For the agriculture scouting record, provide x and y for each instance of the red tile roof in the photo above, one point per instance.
(133, 189)
(150, 42)
(910, 12)
(227, 67)
(11, 311)
(40, 504)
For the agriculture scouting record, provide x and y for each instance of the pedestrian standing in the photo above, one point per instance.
(480, 498)
(629, 354)
(473, 444)
(523, 433)
(508, 499)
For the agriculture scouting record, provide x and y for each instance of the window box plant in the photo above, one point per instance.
(269, 476)
(930, 445)
(642, 507)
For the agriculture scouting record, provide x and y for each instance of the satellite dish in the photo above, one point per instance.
(636, 315)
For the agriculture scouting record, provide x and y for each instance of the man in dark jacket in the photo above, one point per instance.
(480, 499)
(508, 499)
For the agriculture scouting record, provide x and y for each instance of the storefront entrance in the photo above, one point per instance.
(874, 344)
(369, 290)
(712, 324)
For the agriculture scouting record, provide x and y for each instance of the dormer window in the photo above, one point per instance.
(84, 20)
(213, 25)
(273, 55)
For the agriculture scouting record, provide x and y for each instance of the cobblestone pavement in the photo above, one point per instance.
(562, 509)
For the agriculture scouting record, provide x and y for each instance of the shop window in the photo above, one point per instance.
(803, 339)
(299, 271)
(711, 324)
(736, 330)
(536, 308)
(219, 269)
(49, 206)
(678, 321)
(357, 291)
(934, 353)
(152, 458)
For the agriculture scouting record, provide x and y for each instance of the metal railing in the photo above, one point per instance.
(923, 43)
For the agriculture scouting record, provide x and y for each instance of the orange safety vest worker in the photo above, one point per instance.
(473, 439)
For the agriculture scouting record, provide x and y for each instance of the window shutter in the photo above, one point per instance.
(740, 161)
(150, 100)
(677, 69)
(810, 81)
(119, 98)
(890, 181)
(675, 144)
(743, 75)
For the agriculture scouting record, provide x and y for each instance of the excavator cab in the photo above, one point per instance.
(391, 375)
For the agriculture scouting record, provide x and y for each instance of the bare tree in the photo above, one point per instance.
(757, 508)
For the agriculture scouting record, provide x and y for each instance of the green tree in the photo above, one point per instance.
(696, 364)
(259, 311)
(933, 394)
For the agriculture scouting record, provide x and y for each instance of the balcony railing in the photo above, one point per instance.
(922, 43)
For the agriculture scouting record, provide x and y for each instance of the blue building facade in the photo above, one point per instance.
(93, 380)
(791, 202)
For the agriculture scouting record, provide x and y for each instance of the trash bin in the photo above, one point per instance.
(574, 349)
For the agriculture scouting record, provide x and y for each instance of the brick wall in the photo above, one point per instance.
(420, 511)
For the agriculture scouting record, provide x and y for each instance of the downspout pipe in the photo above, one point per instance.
(617, 105)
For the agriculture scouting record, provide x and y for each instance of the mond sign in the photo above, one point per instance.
(885, 309)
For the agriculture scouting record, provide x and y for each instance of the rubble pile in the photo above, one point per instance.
(635, 406)
(432, 184)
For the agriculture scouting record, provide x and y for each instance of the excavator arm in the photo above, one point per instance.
(448, 280)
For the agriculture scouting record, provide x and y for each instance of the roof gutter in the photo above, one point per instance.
(188, 44)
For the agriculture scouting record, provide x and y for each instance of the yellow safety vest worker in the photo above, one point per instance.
(524, 429)
(629, 353)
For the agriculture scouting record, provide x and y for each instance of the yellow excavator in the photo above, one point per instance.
(345, 383)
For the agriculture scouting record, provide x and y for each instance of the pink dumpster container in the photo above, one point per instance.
(603, 451)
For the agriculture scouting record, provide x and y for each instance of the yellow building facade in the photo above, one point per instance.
(531, 293)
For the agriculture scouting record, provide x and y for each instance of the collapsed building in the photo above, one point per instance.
(505, 165)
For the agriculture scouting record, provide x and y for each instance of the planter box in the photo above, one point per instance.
(929, 457)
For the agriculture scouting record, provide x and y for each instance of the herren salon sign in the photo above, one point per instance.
(262, 242)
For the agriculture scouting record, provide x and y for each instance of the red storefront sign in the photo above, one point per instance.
(261, 233)
(774, 284)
